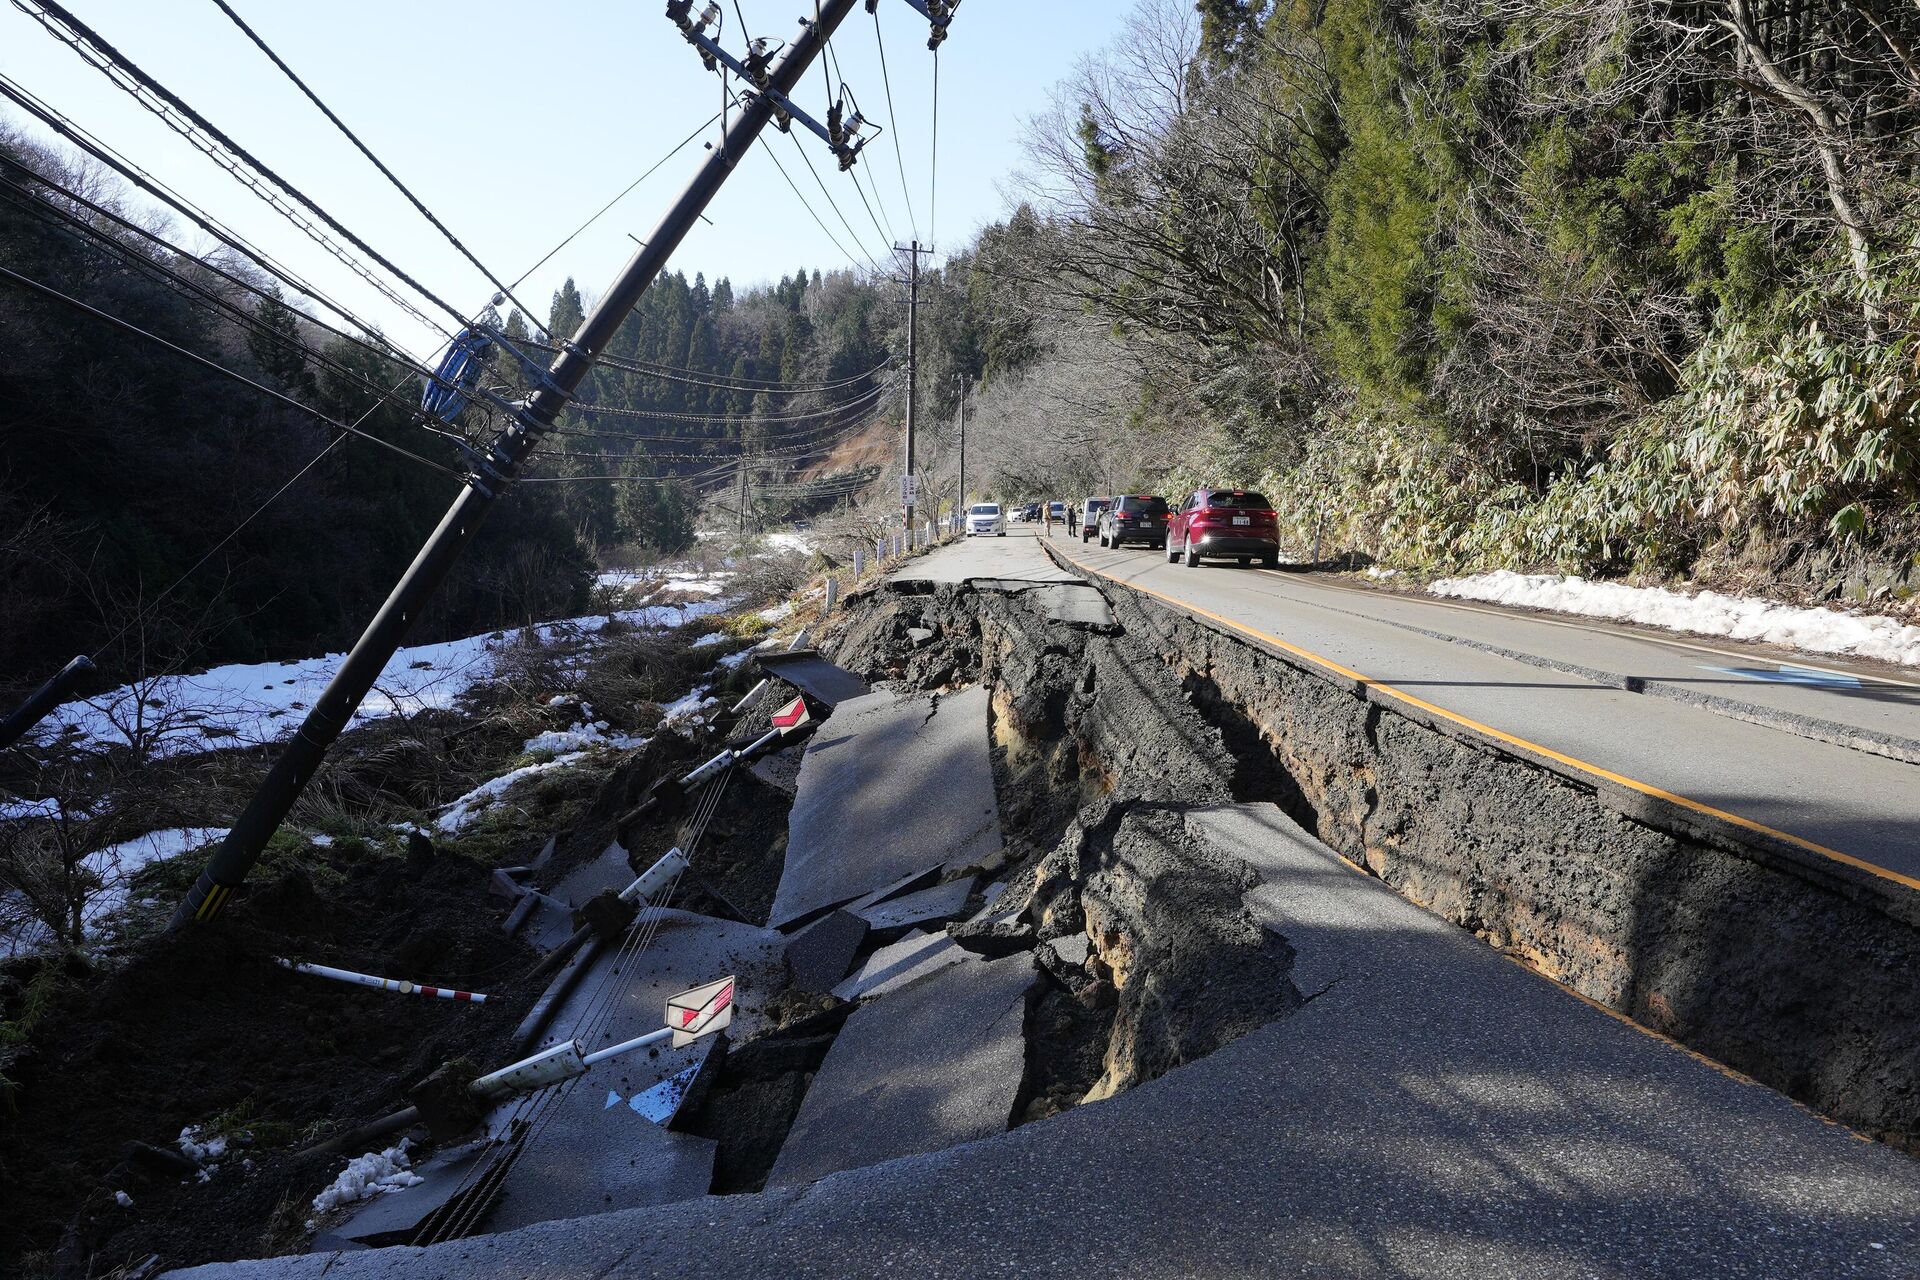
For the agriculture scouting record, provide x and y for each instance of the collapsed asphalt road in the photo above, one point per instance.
(1411, 1104)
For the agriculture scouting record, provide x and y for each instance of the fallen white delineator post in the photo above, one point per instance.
(400, 985)
(690, 1016)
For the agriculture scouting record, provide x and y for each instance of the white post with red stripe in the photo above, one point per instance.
(400, 985)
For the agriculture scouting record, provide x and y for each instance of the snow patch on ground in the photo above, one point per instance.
(710, 639)
(200, 1150)
(373, 1174)
(251, 704)
(1707, 613)
(690, 708)
(779, 612)
(791, 542)
(114, 867)
(15, 810)
(470, 806)
(580, 737)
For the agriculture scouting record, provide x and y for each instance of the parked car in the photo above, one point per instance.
(1090, 515)
(1137, 517)
(1058, 510)
(1223, 524)
(986, 517)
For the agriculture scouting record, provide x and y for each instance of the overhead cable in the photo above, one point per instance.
(506, 290)
(27, 282)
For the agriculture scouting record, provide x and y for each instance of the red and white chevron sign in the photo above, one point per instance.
(700, 1012)
(793, 715)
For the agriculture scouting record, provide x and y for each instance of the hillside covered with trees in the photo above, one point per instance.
(158, 513)
(1597, 287)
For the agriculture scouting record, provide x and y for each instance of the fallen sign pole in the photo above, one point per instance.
(399, 985)
(691, 1015)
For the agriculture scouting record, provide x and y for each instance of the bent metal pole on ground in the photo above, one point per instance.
(510, 449)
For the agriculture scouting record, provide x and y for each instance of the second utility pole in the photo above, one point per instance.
(913, 252)
(961, 502)
(489, 478)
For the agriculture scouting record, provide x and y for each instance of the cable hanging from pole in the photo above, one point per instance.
(203, 298)
(27, 282)
(505, 290)
(146, 182)
(243, 166)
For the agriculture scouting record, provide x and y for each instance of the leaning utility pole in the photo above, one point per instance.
(489, 475)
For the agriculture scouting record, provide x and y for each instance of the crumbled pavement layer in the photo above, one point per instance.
(892, 784)
(1433, 1110)
(933, 1064)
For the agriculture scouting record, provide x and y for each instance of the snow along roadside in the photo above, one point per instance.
(1707, 613)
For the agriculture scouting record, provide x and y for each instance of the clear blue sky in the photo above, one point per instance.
(513, 122)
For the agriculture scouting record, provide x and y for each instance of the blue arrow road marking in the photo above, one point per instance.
(1791, 675)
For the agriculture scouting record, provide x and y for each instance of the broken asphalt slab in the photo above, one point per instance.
(807, 671)
(935, 1064)
(893, 966)
(941, 902)
(1433, 1111)
(891, 785)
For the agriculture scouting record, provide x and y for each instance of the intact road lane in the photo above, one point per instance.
(1762, 752)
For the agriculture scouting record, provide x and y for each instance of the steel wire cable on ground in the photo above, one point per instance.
(170, 109)
(535, 1113)
(75, 303)
(505, 289)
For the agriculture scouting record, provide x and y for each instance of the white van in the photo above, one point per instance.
(986, 517)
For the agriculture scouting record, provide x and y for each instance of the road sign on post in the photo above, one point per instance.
(700, 1012)
(793, 715)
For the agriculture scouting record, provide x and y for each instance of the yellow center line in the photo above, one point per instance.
(1572, 762)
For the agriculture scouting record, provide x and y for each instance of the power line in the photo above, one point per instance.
(898, 156)
(28, 282)
(505, 289)
(933, 166)
(678, 147)
(677, 373)
(834, 204)
(666, 416)
(766, 147)
(72, 132)
(45, 209)
(171, 110)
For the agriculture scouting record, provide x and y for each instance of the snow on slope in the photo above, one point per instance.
(1706, 613)
(115, 866)
(249, 704)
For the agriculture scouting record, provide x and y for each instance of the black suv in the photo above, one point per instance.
(1137, 517)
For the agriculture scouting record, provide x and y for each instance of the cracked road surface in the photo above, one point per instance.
(1435, 1111)
(1550, 683)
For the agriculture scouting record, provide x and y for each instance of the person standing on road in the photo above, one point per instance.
(1046, 516)
(1073, 518)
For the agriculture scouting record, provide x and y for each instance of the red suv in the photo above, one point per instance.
(1223, 524)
